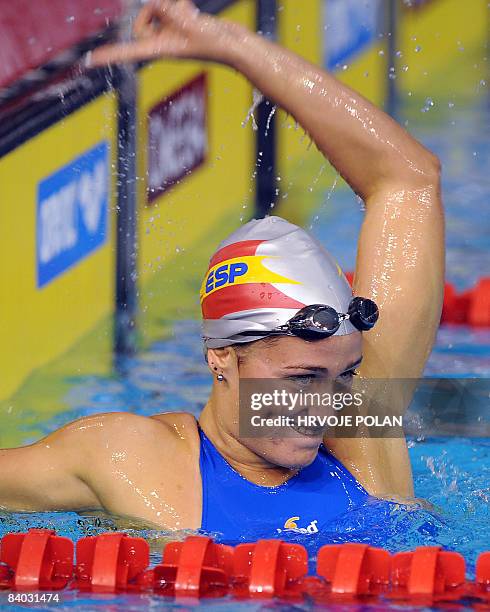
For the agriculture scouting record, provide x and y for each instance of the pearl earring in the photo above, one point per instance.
(220, 378)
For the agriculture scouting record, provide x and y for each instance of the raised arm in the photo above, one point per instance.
(400, 259)
(400, 262)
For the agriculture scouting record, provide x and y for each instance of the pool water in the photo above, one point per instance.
(452, 474)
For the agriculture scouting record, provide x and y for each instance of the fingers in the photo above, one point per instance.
(120, 54)
(151, 16)
(143, 25)
(156, 14)
(173, 11)
(155, 18)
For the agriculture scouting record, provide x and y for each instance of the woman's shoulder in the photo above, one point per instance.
(183, 425)
(176, 419)
(175, 426)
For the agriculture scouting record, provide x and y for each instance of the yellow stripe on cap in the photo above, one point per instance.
(239, 271)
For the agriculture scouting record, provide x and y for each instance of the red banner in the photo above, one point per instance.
(178, 140)
(33, 33)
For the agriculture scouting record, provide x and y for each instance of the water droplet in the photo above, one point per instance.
(381, 52)
(417, 49)
(405, 68)
(70, 19)
(429, 103)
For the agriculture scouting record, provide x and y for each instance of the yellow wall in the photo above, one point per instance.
(442, 47)
(302, 169)
(37, 325)
(179, 231)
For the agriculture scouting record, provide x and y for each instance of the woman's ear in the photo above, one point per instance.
(221, 359)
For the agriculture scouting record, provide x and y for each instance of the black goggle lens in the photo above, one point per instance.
(320, 321)
(327, 318)
(363, 313)
(314, 321)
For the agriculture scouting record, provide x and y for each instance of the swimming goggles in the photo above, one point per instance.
(321, 321)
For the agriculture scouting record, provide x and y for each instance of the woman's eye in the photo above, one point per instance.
(302, 379)
(349, 375)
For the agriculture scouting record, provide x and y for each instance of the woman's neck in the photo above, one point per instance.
(246, 462)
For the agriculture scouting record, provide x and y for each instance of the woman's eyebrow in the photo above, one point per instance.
(353, 365)
(305, 366)
(316, 368)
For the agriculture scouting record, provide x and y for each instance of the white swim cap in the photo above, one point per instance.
(259, 278)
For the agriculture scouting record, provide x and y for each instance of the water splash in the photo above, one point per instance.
(257, 98)
(269, 119)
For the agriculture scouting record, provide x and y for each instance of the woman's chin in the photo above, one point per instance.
(298, 452)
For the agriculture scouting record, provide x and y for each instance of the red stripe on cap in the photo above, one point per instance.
(237, 249)
(245, 297)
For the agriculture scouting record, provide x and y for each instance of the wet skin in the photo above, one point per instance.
(126, 464)
(149, 467)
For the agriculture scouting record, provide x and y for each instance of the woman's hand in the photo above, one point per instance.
(172, 29)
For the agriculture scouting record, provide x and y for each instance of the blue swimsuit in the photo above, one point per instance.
(307, 503)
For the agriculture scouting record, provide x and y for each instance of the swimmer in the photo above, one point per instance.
(175, 472)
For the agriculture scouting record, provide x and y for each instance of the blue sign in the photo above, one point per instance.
(72, 213)
(349, 27)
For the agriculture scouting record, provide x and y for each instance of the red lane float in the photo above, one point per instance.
(198, 568)
(354, 569)
(470, 307)
(269, 568)
(111, 562)
(37, 560)
(479, 310)
(428, 573)
(482, 583)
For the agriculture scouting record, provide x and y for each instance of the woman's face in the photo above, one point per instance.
(300, 362)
